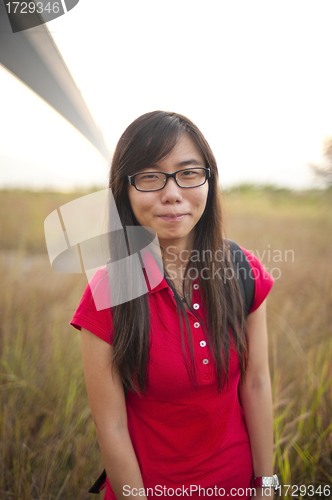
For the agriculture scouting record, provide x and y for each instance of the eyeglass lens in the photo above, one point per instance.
(150, 181)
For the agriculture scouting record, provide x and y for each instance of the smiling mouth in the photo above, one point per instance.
(173, 217)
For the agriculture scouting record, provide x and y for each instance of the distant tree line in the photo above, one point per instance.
(324, 171)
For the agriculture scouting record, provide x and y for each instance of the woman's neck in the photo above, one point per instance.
(176, 256)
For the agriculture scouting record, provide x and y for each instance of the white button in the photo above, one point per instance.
(205, 361)
(196, 287)
(196, 306)
(197, 325)
(202, 343)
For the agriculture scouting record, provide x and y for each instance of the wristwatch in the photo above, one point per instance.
(266, 482)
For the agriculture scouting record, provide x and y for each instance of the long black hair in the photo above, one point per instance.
(147, 140)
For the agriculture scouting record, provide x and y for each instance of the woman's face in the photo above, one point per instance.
(172, 212)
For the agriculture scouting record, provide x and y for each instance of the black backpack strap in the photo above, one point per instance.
(244, 275)
(99, 484)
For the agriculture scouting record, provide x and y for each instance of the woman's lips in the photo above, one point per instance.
(172, 217)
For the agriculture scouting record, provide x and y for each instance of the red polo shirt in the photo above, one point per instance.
(189, 440)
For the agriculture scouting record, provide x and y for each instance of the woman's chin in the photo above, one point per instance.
(174, 237)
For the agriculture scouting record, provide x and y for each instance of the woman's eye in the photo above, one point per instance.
(149, 176)
(188, 173)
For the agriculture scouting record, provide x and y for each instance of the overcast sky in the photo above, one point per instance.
(255, 76)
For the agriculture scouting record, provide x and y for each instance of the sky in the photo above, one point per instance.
(254, 76)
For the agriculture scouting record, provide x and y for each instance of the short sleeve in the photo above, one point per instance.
(263, 280)
(98, 322)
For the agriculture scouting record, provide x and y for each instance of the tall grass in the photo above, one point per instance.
(48, 447)
(299, 320)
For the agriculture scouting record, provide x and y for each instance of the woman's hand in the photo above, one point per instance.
(266, 493)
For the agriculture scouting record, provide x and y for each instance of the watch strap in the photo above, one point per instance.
(266, 482)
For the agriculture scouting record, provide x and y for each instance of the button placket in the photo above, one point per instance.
(204, 353)
(203, 359)
(196, 300)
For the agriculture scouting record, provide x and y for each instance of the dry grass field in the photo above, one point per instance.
(48, 448)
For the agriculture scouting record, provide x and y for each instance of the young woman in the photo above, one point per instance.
(178, 378)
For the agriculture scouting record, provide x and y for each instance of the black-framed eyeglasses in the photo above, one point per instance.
(184, 178)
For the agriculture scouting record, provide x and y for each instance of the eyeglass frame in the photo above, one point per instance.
(131, 178)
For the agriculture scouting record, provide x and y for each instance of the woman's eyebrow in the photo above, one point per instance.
(191, 161)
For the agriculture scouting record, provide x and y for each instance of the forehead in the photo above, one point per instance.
(185, 145)
(185, 153)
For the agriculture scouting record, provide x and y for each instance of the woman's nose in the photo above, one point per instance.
(171, 192)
